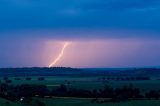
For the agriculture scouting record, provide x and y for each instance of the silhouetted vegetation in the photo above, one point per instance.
(28, 78)
(25, 92)
(124, 78)
(38, 103)
(8, 81)
(37, 71)
(17, 78)
(41, 78)
(5, 78)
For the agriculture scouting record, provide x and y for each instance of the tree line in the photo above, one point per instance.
(16, 92)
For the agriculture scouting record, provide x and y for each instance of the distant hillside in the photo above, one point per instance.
(124, 71)
(37, 71)
(55, 71)
(143, 71)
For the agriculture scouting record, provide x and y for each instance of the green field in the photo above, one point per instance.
(4, 102)
(75, 82)
(83, 102)
(74, 102)
(86, 82)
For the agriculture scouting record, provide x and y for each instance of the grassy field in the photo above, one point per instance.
(76, 102)
(82, 102)
(86, 82)
(4, 102)
(75, 82)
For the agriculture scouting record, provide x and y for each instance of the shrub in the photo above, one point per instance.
(8, 81)
(28, 78)
(17, 78)
(5, 78)
(38, 103)
(41, 78)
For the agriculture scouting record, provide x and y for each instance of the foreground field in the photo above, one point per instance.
(4, 102)
(76, 102)
(91, 82)
(83, 102)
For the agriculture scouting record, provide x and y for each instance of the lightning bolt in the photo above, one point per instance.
(60, 55)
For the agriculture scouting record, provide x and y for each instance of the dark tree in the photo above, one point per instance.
(8, 81)
(28, 78)
(153, 94)
(41, 78)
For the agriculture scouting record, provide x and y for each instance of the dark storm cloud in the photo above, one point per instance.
(68, 14)
(121, 4)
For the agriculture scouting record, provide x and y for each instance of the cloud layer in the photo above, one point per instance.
(50, 14)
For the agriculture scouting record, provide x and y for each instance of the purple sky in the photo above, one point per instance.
(102, 33)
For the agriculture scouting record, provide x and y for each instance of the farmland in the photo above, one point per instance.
(87, 81)
(83, 102)
(83, 82)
